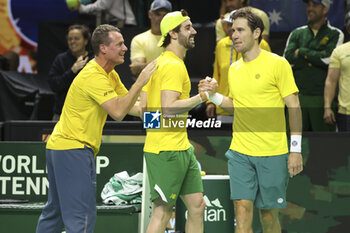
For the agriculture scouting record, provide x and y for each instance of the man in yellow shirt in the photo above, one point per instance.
(143, 48)
(95, 92)
(171, 165)
(225, 55)
(339, 71)
(261, 84)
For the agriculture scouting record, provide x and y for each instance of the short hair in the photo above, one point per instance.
(84, 30)
(167, 39)
(254, 21)
(101, 36)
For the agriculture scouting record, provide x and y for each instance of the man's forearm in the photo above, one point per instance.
(182, 106)
(295, 120)
(329, 93)
(227, 105)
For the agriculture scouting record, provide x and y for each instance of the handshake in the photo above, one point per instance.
(207, 91)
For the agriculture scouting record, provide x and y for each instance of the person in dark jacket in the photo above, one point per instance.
(68, 64)
(308, 50)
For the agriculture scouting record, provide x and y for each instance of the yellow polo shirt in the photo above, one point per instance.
(340, 59)
(222, 64)
(257, 89)
(82, 119)
(172, 75)
(144, 45)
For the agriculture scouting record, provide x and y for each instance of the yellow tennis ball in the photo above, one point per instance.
(72, 3)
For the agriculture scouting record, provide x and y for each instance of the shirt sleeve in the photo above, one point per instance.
(92, 8)
(229, 81)
(321, 58)
(284, 77)
(100, 89)
(335, 59)
(137, 48)
(293, 44)
(120, 88)
(173, 77)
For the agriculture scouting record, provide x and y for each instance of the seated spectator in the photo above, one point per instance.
(339, 71)
(225, 55)
(231, 5)
(143, 48)
(68, 64)
(117, 12)
(13, 60)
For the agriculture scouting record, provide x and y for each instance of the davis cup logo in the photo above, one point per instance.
(151, 120)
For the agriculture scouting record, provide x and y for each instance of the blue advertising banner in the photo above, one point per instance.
(25, 15)
(19, 21)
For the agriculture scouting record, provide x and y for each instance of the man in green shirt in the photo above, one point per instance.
(308, 51)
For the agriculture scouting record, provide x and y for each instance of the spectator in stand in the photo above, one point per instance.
(143, 48)
(68, 64)
(117, 12)
(339, 71)
(231, 5)
(225, 55)
(308, 50)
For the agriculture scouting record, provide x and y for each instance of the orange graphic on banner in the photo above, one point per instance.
(10, 40)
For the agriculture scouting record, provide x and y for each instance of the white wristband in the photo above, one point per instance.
(295, 143)
(216, 98)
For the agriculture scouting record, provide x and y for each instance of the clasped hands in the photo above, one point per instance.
(208, 86)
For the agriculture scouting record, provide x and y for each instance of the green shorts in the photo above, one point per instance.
(262, 180)
(173, 173)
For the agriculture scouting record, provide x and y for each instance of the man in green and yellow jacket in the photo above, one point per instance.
(308, 50)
